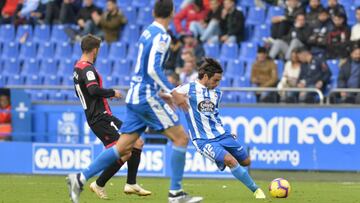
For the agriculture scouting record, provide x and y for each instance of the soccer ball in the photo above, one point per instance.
(279, 188)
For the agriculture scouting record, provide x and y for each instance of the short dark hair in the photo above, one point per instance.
(163, 8)
(261, 50)
(199, 3)
(302, 49)
(89, 42)
(209, 67)
(112, 1)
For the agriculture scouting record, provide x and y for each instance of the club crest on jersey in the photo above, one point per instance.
(90, 75)
(206, 107)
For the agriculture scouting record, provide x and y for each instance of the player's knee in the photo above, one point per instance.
(181, 140)
(246, 162)
(139, 144)
(230, 161)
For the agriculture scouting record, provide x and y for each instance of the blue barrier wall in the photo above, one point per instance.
(296, 138)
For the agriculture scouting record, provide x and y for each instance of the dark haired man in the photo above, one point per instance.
(207, 131)
(147, 107)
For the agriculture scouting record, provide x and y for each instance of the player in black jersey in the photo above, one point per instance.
(93, 97)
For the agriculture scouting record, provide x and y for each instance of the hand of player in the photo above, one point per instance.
(117, 94)
(180, 100)
(168, 99)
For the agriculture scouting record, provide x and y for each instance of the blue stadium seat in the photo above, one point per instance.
(104, 67)
(124, 80)
(229, 52)
(37, 95)
(33, 80)
(235, 68)
(256, 16)
(7, 33)
(133, 52)
(241, 82)
(248, 51)
(66, 67)
(130, 14)
(140, 3)
(15, 79)
(131, 34)
(46, 50)
(356, 3)
(274, 11)
(48, 67)
(41, 33)
(122, 68)
(247, 98)
(63, 51)
(58, 34)
(52, 80)
(261, 32)
(334, 67)
(144, 16)
(77, 51)
(68, 80)
(27, 50)
(212, 50)
(24, 30)
(351, 15)
(230, 97)
(124, 3)
(117, 51)
(10, 50)
(11, 66)
(56, 96)
(2, 80)
(30, 67)
(71, 95)
(111, 81)
(346, 3)
(246, 3)
(104, 50)
(249, 64)
(225, 82)
(101, 3)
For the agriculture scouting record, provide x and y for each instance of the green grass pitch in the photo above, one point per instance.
(307, 187)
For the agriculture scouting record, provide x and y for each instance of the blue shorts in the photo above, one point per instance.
(155, 114)
(216, 149)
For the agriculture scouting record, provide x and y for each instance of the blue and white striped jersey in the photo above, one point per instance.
(203, 116)
(148, 77)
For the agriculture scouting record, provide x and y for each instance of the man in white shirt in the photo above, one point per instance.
(355, 31)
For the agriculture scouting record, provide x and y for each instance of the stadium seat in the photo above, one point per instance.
(131, 34)
(30, 67)
(123, 3)
(261, 32)
(104, 50)
(334, 67)
(229, 97)
(139, 3)
(356, 3)
(235, 68)
(144, 16)
(256, 16)
(246, 3)
(110, 81)
(27, 50)
(229, 52)
(66, 67)
(351, 15)
(248, 51)
(52, 80)
(24, 31)
(37, 95)
(58, 34)
(7, 33)
(104, 67)
(130, 14)
(15, 79)
(133, 52)
(274, 11)
(63, 51)
(56, 96)
(211, 50)
(346, 3)
(33, 80)
(247, 97)
(77, 51)
(71, 95)
(46, 50)
(122, 68)
(241, 82)
(2, 80)
(67, 80)
(11, 66)
(10, 50)
(124, 80)
(48, 67)
(41, 33)
(117, 51)
(248, 69)
(225, 82)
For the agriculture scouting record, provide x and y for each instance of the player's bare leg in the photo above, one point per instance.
(180, 141)
(131, 187)
(241, 174)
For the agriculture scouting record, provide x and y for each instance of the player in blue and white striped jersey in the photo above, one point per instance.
(206, 129)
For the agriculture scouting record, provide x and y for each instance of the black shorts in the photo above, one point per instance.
(106, 129)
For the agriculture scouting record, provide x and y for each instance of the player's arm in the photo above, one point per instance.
(94, 88)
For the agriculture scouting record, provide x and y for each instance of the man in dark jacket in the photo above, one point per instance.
(334, 6)
(231, 24)
(312, 15)
(84, 18)
(314, 73)
(338, 39)
(296, 38)
(349, 77)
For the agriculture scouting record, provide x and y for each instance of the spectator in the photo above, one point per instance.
(52, 11)
(231, 24)
(312, 15)
(317, 40)
(282, 24)
(5, 117)
(264, 74)
(85, 18)
(188, 72)
(314, 73)
(192, 12)
(190, 44)
(174, 79)
(355, 31)
(338, 39)
(296, 38)
(290, 78)
(8, 11)
(68, 11)
(174, 51)
(349, 77)
(334, 6)
(111, 22)
(26, 11)
(210, 26)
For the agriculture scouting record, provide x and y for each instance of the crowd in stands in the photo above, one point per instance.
(260, 43)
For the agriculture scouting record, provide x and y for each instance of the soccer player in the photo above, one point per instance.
(93, 97)
(206, 129)
(147, 107)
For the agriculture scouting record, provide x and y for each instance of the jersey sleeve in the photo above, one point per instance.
(89, 76)
(157, 54)
(183, 89)
(92, 85)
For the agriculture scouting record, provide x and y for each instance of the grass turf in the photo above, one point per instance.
(306, 187)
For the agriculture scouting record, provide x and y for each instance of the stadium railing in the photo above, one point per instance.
(338, 90)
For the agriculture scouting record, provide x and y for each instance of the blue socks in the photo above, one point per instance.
(101, 162)
(241, 174)
(177, 167)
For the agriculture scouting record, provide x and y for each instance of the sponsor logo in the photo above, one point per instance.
(275, 156)
(206, 107)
